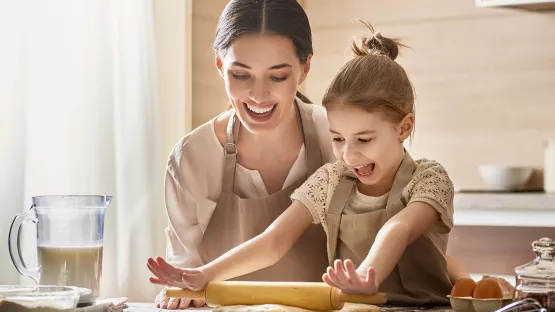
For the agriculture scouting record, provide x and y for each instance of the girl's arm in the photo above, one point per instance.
(394, 237)
(260, 252)
(265, 249)
(455, 269)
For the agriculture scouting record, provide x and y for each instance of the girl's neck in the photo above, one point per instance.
(384, 185)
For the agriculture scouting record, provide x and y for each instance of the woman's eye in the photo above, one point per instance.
(278, 79)
(338, 139)
(365, 140)
(239, 76)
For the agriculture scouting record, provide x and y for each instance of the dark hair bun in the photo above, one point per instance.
(376, 44)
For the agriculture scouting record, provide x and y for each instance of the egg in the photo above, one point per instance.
(488, 288)
(463, 287)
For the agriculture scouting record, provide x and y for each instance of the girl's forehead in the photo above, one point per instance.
(353, 119)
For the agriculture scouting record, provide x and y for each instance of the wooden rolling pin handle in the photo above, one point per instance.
(174, 292)
(379, 298)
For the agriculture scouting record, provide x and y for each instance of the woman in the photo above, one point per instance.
(230, 178)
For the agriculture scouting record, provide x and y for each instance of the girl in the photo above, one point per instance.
(386, 214)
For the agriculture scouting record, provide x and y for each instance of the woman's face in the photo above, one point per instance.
(261, 74)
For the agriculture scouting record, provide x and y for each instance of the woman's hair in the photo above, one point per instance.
(373, 80)
(272, 17)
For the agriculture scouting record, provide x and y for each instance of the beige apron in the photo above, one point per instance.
(236, 220)
(420, 276)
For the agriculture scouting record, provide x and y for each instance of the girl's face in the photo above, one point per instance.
(261, 75)
(369, 144)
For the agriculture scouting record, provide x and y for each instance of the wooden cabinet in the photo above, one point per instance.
(495, 249)
(494, 232)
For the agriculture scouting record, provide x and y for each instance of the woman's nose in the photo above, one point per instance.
(259, 92)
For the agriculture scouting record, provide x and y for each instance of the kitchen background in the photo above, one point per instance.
(484, 79)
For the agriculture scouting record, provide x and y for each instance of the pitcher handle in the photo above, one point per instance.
(14, 244)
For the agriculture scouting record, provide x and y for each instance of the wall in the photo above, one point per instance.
(209, 97)
(173, 30)
(484, 77)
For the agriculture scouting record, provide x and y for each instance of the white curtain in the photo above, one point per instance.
(79, 115)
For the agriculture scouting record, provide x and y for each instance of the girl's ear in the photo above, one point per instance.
(405, 127)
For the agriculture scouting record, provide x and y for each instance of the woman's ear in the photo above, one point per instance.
(305, 69)
(406, 126)
(219, 65)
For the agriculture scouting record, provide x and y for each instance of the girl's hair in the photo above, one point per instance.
(272, 17)
(372, 79)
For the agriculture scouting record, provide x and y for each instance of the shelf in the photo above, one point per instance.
(535, 5)
(505, 209)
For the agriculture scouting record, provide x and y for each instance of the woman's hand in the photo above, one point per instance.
(169, 275)
(164, 302)
(344, 277)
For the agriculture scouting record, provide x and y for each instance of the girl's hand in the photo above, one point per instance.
(167, 274)
(344, 276)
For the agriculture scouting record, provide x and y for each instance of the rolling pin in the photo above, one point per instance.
(312, 296)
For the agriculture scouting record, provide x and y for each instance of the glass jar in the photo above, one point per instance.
(536, 279)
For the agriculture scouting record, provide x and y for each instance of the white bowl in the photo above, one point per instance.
(506, 178)
(38, 298)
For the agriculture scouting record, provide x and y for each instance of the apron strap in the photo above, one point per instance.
(230, 154)
(402, 179)
(310, 137)
(338, 202)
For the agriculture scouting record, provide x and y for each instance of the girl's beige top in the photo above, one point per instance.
(430, 184)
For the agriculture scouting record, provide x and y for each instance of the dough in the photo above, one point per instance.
(259, 308)
(349, 307)
(359, 307)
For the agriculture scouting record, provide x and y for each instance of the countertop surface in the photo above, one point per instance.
(530, 209)
(149, 307)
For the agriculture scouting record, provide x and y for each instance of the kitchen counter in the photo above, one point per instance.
(150, 307)
(525, 209)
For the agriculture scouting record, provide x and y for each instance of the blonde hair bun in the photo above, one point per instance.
(376, 44)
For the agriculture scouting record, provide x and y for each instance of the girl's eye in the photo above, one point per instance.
(240, 77)
(338, 139)
(278, 79)
(365, 140)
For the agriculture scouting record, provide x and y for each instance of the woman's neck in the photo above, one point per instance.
(284, 137)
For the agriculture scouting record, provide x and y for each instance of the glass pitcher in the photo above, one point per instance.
(536, 279)
(70, 239)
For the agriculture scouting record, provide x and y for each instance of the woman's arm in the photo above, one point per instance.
(182, 209)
